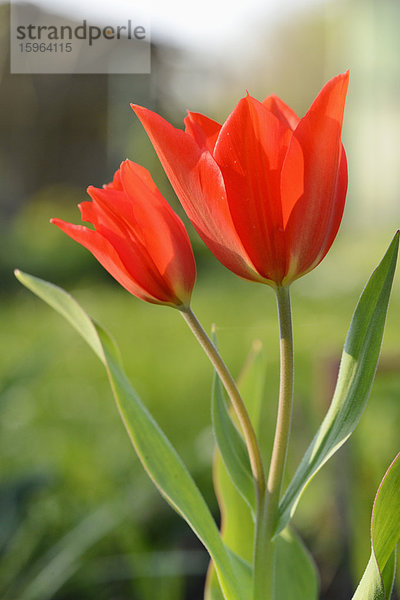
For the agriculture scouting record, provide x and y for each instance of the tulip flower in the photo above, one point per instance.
(266, 190)
(137, 238)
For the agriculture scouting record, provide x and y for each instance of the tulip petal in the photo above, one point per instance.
(285, 114)
(203, 130)
(116, 182)
(314, 180)
(137, 238)
(143, 245)
(250, 151)
(143, 228)
(106, 209)
(198, 183)
(143, 217)
(161, 231)
(337, 209)
(140, 173)
(266, 190)
(105, 253)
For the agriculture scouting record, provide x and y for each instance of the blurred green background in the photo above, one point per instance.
(78, 517)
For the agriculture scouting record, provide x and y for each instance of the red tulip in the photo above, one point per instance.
(266, 190)
(137, 238)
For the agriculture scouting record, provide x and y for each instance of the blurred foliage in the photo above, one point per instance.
(30, 240)
(66, 456)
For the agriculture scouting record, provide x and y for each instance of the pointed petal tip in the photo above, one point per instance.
(123, 169)
(61, 224)
(92, 189)
(138, 110)
(344, 77)
(247, 98)
(337, 80)
(129, 167)
(56, 221)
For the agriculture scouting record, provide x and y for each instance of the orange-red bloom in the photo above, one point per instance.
(137, 238)
(266, 190)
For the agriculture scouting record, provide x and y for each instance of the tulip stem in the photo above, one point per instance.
(235, 398)
(283, 424)
(267, 519)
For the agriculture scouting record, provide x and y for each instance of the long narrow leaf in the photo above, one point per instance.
(377, 581)
(357, 371)
(232, 446)
(237, 523)
(157, 455)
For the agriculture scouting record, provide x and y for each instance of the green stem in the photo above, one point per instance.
(266, 519)
(235, 398)
(282, 432)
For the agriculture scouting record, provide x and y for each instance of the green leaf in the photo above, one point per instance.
(157, 455)
(232, 446)
(243, 572)
(389, 573)
(212, 590)
(237, 526)
(377, 581)
(356, 374)
(64, 304)
(292, 557)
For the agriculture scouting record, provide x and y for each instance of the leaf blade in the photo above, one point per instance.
(356, 374)
(291, 556)
(232, 446)
(237, 526)
(157, 455)
(377, 580)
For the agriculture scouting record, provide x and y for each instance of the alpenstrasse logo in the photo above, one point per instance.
(49, 43)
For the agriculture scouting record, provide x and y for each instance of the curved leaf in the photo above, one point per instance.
(291, 556)
(232, 446)
(356, 374)
(377, 581)
(237, 527)
(237, 524)
(157, 455)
